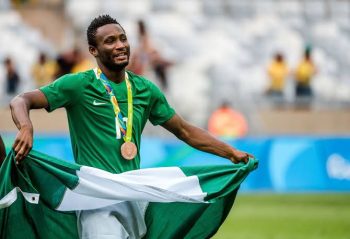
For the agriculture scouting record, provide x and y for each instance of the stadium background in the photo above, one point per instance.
(221, 50)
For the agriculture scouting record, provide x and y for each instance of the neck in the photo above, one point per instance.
(116, 76)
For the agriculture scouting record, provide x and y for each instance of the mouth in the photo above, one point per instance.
(121, 56)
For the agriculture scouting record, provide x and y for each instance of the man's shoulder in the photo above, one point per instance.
(71, 78)
(137, 78)
(89, 74)
(140, 82)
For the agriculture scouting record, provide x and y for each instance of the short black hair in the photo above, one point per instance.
(95, 24)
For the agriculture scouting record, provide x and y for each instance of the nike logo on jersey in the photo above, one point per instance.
(98, 103)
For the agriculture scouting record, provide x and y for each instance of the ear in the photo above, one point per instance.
(93, 51)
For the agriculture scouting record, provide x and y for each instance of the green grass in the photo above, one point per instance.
(288, 216)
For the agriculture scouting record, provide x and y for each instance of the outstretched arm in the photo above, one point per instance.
(20, 106)
(202, 140)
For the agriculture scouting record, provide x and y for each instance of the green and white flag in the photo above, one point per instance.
(39, 197)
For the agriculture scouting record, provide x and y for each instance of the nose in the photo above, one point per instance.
(120, 44)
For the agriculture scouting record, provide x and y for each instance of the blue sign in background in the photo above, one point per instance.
(286, 164)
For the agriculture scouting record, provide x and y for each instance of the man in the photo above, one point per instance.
(12, 77)
(304, 72)
(107, 109)
(44, 70)
(146, 55)
(277, 72)
(227, 123)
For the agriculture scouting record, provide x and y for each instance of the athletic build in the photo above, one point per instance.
(94, 130)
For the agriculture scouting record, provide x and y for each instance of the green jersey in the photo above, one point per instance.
(92, 121)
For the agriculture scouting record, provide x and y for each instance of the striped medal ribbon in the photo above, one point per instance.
(128, 148)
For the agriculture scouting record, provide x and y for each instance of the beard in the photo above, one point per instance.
(117, 67)
(111, 65)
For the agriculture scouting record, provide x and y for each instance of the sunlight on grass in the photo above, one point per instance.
(288, 216)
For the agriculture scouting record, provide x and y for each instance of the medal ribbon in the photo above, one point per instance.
(126, 130)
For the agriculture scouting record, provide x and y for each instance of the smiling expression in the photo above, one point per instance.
(112, 47)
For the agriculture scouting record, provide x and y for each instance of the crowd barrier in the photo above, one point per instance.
(286, 163)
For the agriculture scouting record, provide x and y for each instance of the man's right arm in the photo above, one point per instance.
(20, 106)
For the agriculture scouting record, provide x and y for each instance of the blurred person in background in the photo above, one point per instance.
(160, 67)
(304, 73)
(277, 72)
(98, 139)
(2, 151)
(147, 56)
(72, 61)
(81, 63)
(227, 123)
(139, 59)
(65, 62)
(44, 70)
(12, 77)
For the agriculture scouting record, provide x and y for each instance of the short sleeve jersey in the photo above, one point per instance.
(91, 117)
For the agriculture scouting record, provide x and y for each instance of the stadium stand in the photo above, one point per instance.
(22, 43)
(221, 48)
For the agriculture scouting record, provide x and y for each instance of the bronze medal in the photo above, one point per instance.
(128, 150)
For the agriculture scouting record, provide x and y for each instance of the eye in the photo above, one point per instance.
(123, 38)
(109, 40)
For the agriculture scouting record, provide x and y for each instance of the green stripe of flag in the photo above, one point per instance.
(44, 170)
(221, 180)
(52, 178)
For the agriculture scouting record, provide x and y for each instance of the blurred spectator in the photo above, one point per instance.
(139, 59)
(160, 65)
(80, 62)
(226, 122)
(147, 56)
(2, 151)
(65, 63)
(277, 72)
(43, 71)
(303, 76)
(12, 77)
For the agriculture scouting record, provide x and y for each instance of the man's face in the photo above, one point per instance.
(112, 46)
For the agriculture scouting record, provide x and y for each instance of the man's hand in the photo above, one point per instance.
(23, 142)
(240, 156)
(20, 106)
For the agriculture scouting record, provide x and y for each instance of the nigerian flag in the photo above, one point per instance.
(40, 196)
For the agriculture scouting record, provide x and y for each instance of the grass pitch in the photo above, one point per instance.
(288, 216)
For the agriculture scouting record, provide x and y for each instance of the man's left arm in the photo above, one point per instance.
(202, 140)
